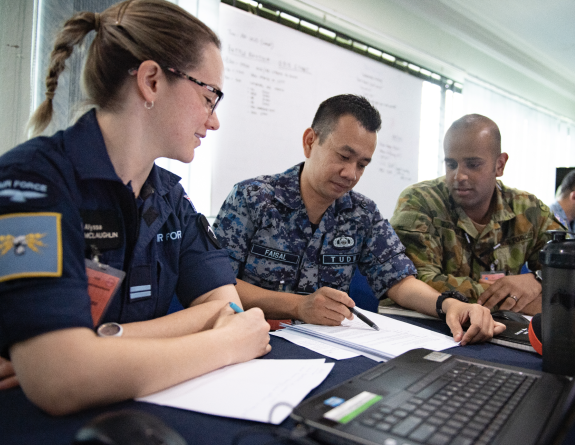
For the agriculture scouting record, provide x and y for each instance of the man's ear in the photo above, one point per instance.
(572, 196)
(500, 164)
(309, 137)
(149, 73)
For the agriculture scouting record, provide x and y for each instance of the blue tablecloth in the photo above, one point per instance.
(23, 423)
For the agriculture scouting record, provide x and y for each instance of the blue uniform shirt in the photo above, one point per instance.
(562, 217)
(60, 196)
(265, 227)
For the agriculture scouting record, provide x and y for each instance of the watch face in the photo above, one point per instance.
(109, 329)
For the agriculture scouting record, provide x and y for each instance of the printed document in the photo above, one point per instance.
(260, 390)
(393, 338)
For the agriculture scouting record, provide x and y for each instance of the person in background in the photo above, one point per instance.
(91, 200)
(468, 232)
(564, 206)
(295, 238)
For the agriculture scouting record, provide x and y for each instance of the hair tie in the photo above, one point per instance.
(49, 95)
(96, 22)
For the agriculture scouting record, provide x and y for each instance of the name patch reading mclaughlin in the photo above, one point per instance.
(278, 255)
(339, 259)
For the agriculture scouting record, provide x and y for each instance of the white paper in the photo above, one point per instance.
(393, 338)
(323, 347)
(249, 390)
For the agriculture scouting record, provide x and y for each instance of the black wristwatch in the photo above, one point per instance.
(443, 296)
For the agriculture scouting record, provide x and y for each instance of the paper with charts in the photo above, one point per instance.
(260, 390)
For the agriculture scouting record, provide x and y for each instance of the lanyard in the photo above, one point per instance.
(475, 257)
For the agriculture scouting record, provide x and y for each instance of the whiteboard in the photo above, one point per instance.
(274, 80)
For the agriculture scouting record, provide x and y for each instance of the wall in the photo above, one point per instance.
(440, 39)
(16, 23)
(403, 27)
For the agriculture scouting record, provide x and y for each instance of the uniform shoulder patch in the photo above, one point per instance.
(187, 198)
(30, 245)
(210, 232)
(26, 190)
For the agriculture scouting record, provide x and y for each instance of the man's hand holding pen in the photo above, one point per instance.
(326, 306)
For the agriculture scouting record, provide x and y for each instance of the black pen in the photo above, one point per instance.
(363, 318)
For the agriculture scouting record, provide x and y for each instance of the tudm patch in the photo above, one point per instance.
(30, 245)
(339, 259)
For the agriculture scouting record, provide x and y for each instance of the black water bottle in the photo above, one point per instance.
(558, 311)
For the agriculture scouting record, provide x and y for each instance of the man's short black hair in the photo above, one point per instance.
(567, 185)
(332, 109)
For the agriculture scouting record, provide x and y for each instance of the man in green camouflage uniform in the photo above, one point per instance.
(464, 230)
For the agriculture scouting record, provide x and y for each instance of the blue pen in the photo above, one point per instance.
(235, 307)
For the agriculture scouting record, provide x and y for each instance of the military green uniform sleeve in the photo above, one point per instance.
(422, 225)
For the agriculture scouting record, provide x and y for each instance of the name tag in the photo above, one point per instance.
(103, 229)
(492, 276)
(277, 255)
(339, 259)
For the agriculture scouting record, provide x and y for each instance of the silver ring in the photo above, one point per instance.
(514, 297)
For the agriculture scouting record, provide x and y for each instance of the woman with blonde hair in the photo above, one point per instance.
(86, 205)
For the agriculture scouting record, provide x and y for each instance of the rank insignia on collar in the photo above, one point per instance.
(343, 242)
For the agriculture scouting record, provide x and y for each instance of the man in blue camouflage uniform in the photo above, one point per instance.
(564, 206)
(295, 238)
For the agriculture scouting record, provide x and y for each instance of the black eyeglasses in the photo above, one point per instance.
(213, 101)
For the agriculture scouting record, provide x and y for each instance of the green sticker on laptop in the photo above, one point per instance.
(349, 410)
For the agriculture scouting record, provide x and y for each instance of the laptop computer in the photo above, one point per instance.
(427, 397)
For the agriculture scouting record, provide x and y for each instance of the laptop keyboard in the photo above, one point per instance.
(467, 405)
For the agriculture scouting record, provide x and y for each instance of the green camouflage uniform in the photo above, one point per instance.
(446, 248)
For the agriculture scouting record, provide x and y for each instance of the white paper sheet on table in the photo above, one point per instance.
(394, 337)
(248, 390)
(323, 347)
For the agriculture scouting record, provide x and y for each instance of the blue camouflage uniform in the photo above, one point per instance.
(559, 213)
(61, 200)
(265, 227)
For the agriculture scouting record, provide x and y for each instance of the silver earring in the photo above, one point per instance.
(148, 105)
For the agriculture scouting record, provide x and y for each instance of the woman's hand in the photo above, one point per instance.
(8, 378)
(248, 333)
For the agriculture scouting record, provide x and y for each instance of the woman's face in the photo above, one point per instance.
(188, 115)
